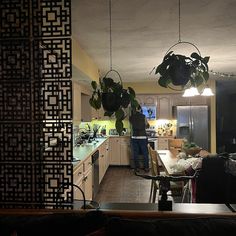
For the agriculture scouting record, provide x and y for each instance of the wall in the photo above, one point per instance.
(83, 63)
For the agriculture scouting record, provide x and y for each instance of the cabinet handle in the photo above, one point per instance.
(85, 178)
(79, 173)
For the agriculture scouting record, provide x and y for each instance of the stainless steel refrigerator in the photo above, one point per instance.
(193, 124)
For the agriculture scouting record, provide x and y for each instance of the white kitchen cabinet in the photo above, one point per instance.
(147, 99)
(179, 100)
(99, 114)
(119, 150)
(82, 111)
(164, 110)
(76, 101)
(103, 159)
(78, 180)
(83, 178)
(125, 151)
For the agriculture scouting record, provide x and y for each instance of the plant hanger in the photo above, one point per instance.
(110, 94)
(179, 72)
(110, 33)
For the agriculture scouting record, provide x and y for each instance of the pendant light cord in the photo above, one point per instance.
(110, 36)
(179, 24)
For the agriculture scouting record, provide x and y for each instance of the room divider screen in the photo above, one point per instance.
(35, 103)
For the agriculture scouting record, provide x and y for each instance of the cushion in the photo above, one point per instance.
(186, 226)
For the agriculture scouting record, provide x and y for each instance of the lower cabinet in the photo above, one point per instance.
(119, 150)
(83, 177)
(103, 159)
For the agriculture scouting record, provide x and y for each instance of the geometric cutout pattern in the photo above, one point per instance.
(51, 18)
(53, 60)
(15, 20)
(16, 142)
(36, 148)
(15, 101)
(15, 60)
(55, 99)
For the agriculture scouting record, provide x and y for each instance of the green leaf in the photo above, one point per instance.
(108, 82)
(120, 114)
(196, 56)
(163, 82)
(206, 60)
(198, 79)
(94, 85)
(205, 75)
(119, 126)
(108, 113)
(131, 91)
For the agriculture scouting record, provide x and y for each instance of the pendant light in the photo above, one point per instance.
(207, 92)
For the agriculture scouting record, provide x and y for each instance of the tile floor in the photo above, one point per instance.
(121, 185)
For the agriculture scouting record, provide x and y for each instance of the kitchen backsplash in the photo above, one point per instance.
(162, 127)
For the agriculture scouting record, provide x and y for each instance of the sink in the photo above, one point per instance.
(89, 144)
(75, 159)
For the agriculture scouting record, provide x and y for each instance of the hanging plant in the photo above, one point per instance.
(113, 98)
(182, 71)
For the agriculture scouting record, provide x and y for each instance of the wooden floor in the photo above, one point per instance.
(121, 185)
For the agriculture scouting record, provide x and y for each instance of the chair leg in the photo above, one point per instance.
(154, 193)
(151, 191)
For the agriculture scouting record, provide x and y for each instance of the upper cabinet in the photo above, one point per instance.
(165, 102)
(82, 110)
(164, 110)
(178, 100)
(146, 99)
(76, 102)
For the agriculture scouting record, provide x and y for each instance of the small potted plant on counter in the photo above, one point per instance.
(113, 98)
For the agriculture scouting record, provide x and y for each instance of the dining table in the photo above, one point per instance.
(169, 158)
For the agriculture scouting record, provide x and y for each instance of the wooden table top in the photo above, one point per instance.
(169, 157)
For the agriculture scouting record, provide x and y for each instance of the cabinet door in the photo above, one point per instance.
(107, 160)
(150, 100)
(86, 109)
(125, 151)
(88, 184)
(114, 151)
(76, 102)
(77, 193)
(101, 162)
(164, 104)
(78, 180)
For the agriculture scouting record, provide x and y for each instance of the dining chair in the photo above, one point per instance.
(175, 143)
(155, 170)
(175, 187)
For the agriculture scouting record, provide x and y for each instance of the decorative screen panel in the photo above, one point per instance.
(35, 103)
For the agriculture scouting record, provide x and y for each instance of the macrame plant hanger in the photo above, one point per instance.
(110, 33)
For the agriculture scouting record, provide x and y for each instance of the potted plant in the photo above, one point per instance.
(191, 148)
(179, 70)
(113, 98)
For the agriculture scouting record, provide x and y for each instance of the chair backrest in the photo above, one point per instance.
(154, 161)
(175, 143)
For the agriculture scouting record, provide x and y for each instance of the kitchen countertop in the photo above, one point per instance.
(81, 152)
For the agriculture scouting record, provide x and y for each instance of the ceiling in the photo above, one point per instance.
(143, 31)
